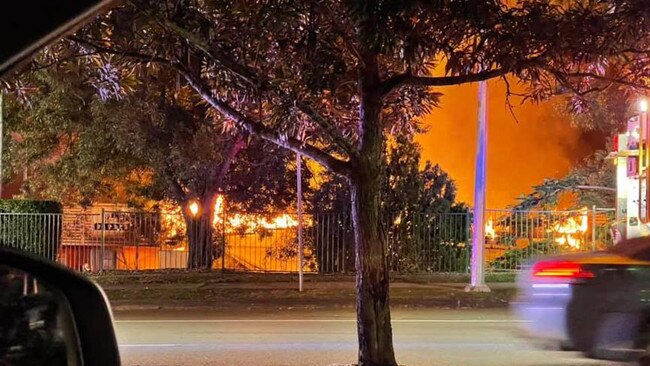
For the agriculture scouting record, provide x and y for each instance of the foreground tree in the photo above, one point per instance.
(415, 202)
(331, 79)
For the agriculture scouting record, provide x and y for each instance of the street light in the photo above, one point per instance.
(644, 160)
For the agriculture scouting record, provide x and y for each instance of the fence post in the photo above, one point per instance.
(593, 228)
(103, 244)
(467, 240)
(223, 236)
(299, 204)
(137, 252)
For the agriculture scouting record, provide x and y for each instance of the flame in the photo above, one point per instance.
(572, 229)
(194, 208)
(250, 222)
(172, 220)
(489, 230)
(218, 210)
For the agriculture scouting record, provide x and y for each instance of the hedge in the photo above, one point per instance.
(32, 226)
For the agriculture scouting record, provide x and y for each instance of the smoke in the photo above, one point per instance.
(542, 144)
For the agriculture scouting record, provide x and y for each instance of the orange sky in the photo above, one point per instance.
(520, 154)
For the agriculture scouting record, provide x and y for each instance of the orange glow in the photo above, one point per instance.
(572, 230)
(542, 144)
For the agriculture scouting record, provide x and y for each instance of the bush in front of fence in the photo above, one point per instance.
(32, 226)
(514, 258)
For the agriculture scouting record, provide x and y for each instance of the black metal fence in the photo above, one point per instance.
(267, 242)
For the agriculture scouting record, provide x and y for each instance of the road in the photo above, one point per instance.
(299, 337)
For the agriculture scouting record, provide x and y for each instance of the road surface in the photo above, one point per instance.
(303, 338)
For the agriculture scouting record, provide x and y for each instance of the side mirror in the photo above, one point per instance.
(50, 315)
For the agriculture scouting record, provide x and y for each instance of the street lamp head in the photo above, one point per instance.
(643, 105)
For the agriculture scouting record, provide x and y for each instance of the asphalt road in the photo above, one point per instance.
(300, 337)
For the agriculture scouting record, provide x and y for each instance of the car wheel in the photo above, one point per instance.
(582, 327)
(643, 341)
(567, 346)
(644, 360)
(616, 338)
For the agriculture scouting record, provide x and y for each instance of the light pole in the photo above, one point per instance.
(299, 203)
(644, 157)
(477, 283)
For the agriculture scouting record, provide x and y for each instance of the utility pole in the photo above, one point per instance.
(477, 283)
(299, 200)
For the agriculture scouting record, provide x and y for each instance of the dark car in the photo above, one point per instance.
(597, 303)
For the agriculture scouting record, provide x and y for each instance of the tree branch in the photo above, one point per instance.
(131, 54)
(259, 82)
(251, 126)
(35, 66)
(608, 79)
(327, 127)
(176, 189)
(509, 93)
(216, 180)
(407, 78)
(260, 130)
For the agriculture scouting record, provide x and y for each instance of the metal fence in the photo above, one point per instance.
(515, 237)
(267, 242)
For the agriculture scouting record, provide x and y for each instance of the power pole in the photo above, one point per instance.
(299, 200)
(477, 283)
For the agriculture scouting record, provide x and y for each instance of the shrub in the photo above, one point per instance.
(514, 258)
(32, 226)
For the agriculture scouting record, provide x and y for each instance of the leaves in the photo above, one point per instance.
(80, 146)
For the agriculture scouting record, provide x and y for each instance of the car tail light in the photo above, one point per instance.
(561, 269)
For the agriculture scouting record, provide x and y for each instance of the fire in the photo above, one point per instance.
(572, 229)
(250, 222)
(489, 230)
(173, 222)
(218, 210)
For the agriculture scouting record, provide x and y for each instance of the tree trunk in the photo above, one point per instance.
(372, 276)
(200, 232)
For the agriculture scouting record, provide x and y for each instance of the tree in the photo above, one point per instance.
(152, 144)
(332, 79)
(415, 204)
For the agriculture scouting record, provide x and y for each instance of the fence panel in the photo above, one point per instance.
(267, 242)
(514, 238)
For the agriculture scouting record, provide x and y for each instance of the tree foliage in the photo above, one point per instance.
(153, 144)
(592, 183)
